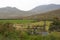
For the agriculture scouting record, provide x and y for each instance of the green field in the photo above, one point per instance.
(17, 21)
(31, 22)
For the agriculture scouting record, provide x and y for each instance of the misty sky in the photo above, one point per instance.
(26, 4)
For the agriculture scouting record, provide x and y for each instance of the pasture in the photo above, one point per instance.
(16, 21)
(28, 22)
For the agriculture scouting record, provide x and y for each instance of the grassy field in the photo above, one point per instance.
(17, 21)
(31, 22)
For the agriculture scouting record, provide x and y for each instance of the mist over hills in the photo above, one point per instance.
(14, 13)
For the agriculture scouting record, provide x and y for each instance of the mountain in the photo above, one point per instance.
(14, 13)
(45, 8)
(45, 16)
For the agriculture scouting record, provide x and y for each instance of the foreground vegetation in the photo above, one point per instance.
(8, 32)
(18, 35)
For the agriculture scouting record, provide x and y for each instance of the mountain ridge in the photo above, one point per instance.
(14, 13)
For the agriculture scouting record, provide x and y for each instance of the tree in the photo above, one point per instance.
(55, 26)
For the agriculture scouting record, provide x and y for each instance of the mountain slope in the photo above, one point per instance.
(45, 8)
(14, 13)
(47, 15)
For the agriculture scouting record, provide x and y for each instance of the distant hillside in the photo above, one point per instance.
(45, 8)
(47, 15)
(14, 13)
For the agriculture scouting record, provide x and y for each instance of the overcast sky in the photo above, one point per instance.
(26, 4)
